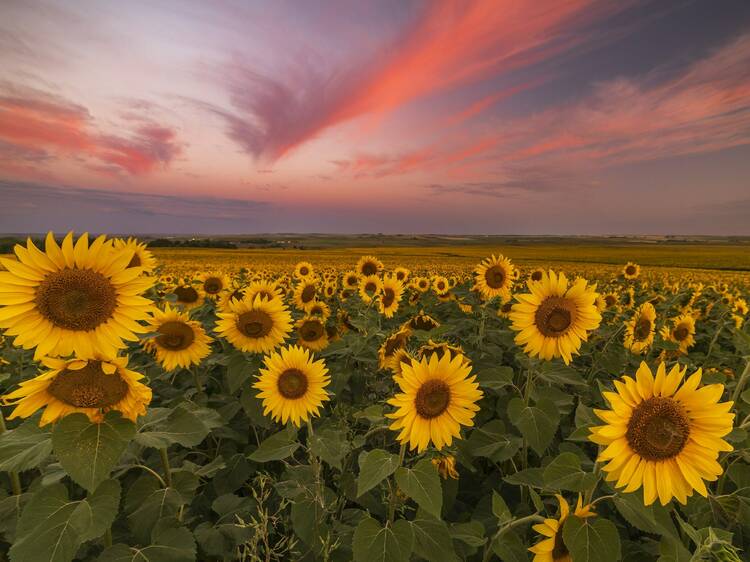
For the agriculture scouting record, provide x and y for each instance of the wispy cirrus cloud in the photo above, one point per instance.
(452, 43)
(36, 125)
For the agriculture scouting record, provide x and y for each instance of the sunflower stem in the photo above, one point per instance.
(394, 486)
(15, 480)
(315, 462)
(108, 537)
(741, 383)
(197, 380)
(167, 468)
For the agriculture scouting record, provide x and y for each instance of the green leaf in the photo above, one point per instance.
(651, 519)
(330, 445)
(238, 370)
(471, 533)
(309, 522)
(146, 502)
(374, 543)
(491, 441)
(500, 509)
(374, 467)
(88, 451)
(279, 446)
(432, 540)
(564, 473)
(186, 424)
(422, 484)
(25, 447)
(559, 374)
(495, 378)
(52, 527)
(527, 477)
(537, 423)
(509, 547)
(171, 545)
(591, 540)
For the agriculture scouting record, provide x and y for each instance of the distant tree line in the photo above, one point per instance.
(191, 243)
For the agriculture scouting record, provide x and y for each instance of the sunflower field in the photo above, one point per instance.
(352, 409)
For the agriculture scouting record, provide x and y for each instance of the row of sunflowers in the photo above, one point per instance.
(367, 413)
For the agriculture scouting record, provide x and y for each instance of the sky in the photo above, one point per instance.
(393, 116)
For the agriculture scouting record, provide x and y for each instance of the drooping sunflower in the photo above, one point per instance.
(421, 321)
(369, 265)
(188, 295)
(400, 358)
(390, 297)
(305, 294)
(639, 331)
(75, 299)
(440, 349)
(303, 269)
(553, 319)
(494, 277)
(180, 342)
(682, 332)
(256, 326)
(663, 435)
(369, 288)
(446, 466)
(90, 386)
(394, 342)
(142, 257)
(214, 284)
(437, 397)
(552, 548)
(292, 385)
(312, 334)
(631, 270)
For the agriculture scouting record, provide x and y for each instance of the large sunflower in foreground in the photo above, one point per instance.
(292, 385)
(75, 299)
(552, 548)
(639, 331)
(255, 326)
(437, 397)
(682, 332)
(493, 277)
(180, 342)
(663, 434)
(89, 386)
(553, 319)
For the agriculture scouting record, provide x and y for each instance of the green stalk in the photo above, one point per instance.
(741, 383)
(167, 468)
(15, 480)
(394, 486)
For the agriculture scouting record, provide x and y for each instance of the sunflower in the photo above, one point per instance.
(631, 270)
(446, 466)
(321, 310)
(305, 293)
(267, 290)
(369, 288)
(611, 300)
(390, 296)
(438, 397)
(440, 349)
(303, 269)
(90, 386)
(394, 342)
(494, 277)
(351, 280)
(236, 292)
(505, 309)
(187, 295)
(330, 289)
(369, 265)
(553, 319)
(421, 321)
(292, 385)
(440, 285)
(213, 284)
(312, 334)
(639, 332)
(180, 342)
(682, 332)
(421, 284)
(256, 326)
(75, 299)
(402, 274)
(142, 257)
(663, 435)
(552, 548)
(400, 358)
(537, 274)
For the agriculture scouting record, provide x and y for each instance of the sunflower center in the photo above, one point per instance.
(175, 336)
(76, 299)
(213, 285)
(89, 387)
(507, 307)
(400, 275)
(369, 268)
(642, 329)
(609, 300)
(135, 261)
(311, 331)
(370, 287)
(388, 297)
(395, 342)
(658, 429)
(304, 271)
(630, 270)
(495, 277)
(432, 398)
(554, 316)
(255, 324)
(186, 295)
(560, 552)
(536, 276)
(681, 332)
(308, 293)
(292, 384)
(352, 281)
